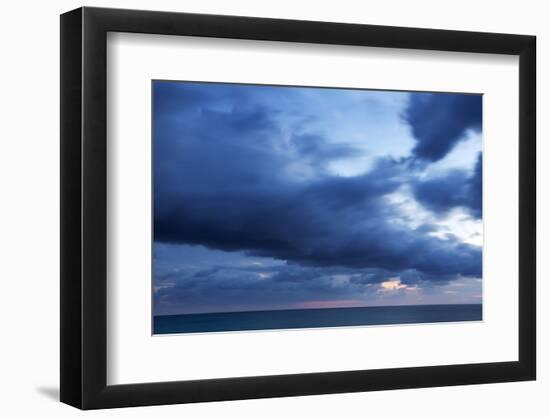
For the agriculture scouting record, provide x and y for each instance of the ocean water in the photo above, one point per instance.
(314, 318)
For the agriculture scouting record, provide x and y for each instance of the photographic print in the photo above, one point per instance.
(291, 207)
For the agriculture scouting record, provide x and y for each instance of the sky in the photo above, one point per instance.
(270, 197)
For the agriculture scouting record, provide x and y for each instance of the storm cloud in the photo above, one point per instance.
(439, 121)
(454, 189)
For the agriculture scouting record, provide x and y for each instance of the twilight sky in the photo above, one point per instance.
(285, 197)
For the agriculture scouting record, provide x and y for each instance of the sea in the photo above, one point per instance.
(315, 318)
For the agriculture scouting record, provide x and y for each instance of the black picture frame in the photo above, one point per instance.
(84, 207)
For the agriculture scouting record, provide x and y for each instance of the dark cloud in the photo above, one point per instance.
(454, 189)
(223, 287)
(476, 188)
(439, 121)
(260, 287)
(225, 179)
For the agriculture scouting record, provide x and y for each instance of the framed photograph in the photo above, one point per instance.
(258, 208)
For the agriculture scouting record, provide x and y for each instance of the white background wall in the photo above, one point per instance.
(29, 237)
